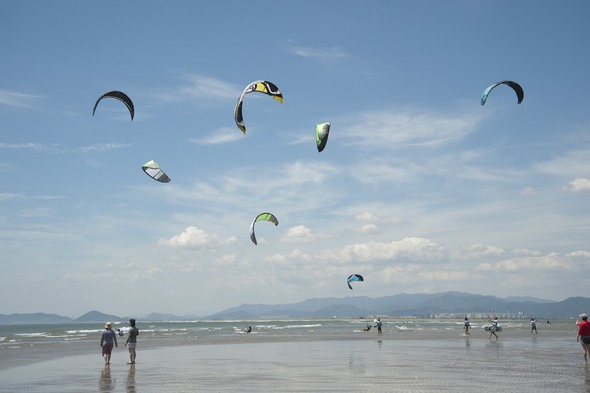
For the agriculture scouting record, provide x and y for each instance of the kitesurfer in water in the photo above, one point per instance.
(534, 326)
(467, 326)
(493, 328)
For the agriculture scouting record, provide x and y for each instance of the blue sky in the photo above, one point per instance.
(420, 188)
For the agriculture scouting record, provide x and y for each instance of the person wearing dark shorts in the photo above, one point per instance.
(131, 342)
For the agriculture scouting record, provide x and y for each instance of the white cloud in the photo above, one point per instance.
(478, 251)
(552, 261)
(409, 248)
(368, 228)
(300, 234)
(579, 184)
(193, 237)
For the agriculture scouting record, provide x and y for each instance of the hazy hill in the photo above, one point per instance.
(98, 317)
(23, 319)
(400, 305)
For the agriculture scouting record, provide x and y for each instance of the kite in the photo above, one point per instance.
(265, 87)
(153, 170)
(262, 217)
(118, 95)
(354, 277)
(321, 135)
(517, 89)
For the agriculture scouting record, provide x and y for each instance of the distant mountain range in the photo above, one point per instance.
(447, 304)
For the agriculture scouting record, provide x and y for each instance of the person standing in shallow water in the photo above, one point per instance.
(467, 326)
(131, 342)
(584, 335)
(107, 340)
(379, 323)
(534, 326)
(493, 328)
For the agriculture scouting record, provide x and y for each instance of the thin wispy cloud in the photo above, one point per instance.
(18, 99)
(101, 147)
(59, 149)
(200, 88)
(219, 136)
(23, 197)
(333, 53)
(390, 128)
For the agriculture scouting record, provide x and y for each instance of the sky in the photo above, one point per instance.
(420, 188)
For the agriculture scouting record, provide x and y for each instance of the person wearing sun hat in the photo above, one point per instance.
(107, 340)
(584, 335)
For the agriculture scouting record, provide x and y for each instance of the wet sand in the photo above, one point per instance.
(393, 362)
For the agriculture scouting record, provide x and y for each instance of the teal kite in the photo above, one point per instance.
(354, 277)
(515, 86)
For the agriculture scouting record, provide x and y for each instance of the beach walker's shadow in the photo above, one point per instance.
(106, 383)
(130, 381)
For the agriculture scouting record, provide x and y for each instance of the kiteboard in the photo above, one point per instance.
(488, 328)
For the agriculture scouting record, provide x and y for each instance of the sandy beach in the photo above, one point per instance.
(355, 362)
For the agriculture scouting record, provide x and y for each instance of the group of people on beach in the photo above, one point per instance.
(493, 328)
(108, 340)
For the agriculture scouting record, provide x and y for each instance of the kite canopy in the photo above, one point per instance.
(321, 135)
(262, 217)
(118, 95)
(153, 170)
(515, 86)
(261, 86)
(354, 277)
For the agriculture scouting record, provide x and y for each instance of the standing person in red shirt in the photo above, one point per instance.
(584, 334)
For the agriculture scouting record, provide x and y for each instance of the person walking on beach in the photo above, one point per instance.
(534, 326)
(131, 342)
(379, 323)
(493, 328)
(584, 335)
(467, 327)
(107, 339)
